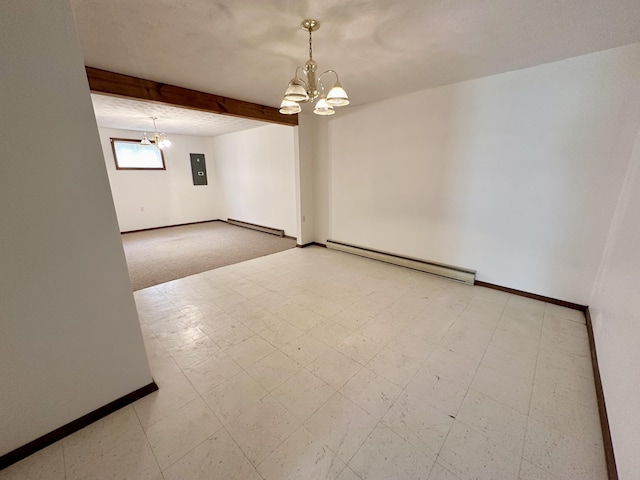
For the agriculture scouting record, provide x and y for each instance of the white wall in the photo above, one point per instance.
(255, 172)
(514, 175)
(70, 339)
(158, 198)
(615, 309)
(305, 149)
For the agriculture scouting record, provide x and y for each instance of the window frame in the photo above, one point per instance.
(133, 140)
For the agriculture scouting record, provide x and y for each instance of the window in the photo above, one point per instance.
(130, 154)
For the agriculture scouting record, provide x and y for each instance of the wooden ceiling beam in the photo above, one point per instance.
(116, 84)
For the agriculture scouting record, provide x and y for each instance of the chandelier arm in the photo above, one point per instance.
(328, 71)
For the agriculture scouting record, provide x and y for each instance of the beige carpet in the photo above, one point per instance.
(161, 255)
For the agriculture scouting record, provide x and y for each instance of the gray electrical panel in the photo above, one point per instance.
(198, 169)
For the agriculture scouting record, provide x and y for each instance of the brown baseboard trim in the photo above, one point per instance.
(612, 471)
(176, 225)
(71, 427)
(310, 244)
(542, 298)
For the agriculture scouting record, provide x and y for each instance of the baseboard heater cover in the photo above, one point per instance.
(454, 273)
(253, 226)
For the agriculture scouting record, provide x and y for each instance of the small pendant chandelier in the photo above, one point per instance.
(160, 140)
(300, 90)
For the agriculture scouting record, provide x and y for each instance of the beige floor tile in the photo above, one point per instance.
(503, 425)
(303, 394)
(515, 343)
(47, 463)
(262, 428)
(437, 391)
(470, 454)
(132, 458)
(304, 349)
(528, 471)
(195, 352)
(522, 367)
(576, 364)
(228, 335)
(503, 388)
(386, 456)
(440, 473)
(371, 392)
(258, 321)
(564, 412)
(217, 457)
(250, 350)
(419, 423)
(234, 396)
(348, 474)
(99, 437)
(341, 425)
(564, 312)
(351, 319)
(334, 368)
(554, 323)
(565, 343)
(468, 338)
(273, 370)
(280, 333)
(449, 364)
(181, 333)
(307, 319)
(430, 327)
(329, 332)
(579, 389)
(163, 366)
(412, 346)
(531, 314)
(378, 331)
(358, 347)
(526, 327)
(399, 369)
(183, 430)
(301, 456)
(564, 456)
(206, 375)
(171, 395)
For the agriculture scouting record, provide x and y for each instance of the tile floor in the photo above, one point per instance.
(315, 364)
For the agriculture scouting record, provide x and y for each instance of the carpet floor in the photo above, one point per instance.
(164, 254)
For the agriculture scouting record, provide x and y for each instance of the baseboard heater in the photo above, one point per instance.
(454, 273)
(253, 226)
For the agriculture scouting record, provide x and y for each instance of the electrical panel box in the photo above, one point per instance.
(198, 169)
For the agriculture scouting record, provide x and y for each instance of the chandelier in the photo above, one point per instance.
(311, 87)
(159, 139)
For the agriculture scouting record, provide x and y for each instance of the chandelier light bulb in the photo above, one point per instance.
(297, 91)
(323, 108)
(287, 107)
(337, 97)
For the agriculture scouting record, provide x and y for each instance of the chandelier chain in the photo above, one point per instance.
(310, 47)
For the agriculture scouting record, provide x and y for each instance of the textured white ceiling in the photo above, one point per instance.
(115, 112)
(249, 49)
